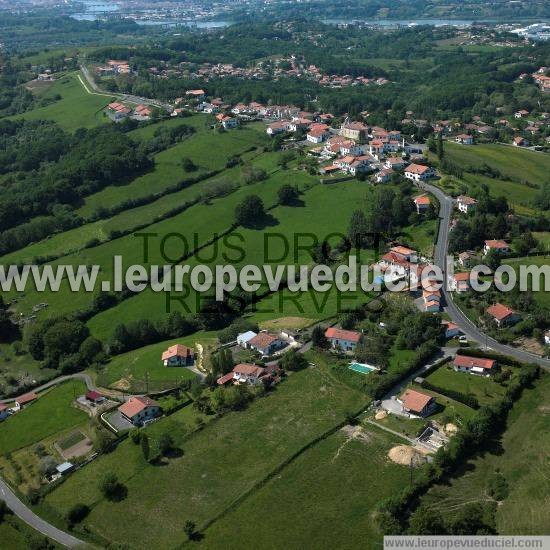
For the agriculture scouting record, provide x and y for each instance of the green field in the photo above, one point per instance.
(51, 413)
(484, 389)
(130, 370)
(16, 535)
(522, 455)
(76, 108)
(541, 297)
(219, 464)
(324, 499)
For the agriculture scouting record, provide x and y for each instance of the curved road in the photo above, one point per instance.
(78, 376)
(471, 331)
(30, 518)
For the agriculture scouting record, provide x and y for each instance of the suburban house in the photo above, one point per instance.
(265, 343)
(247, 373)
(502, 315)
(196, 94)
(547, 337)
(384, 175)
(460, 282)
(141, 112)
(465, 139)
(452, 330)
(140, 409)
(465, 204)
(520, 142)
(419, 172)
(227, 122)
(521, 113)
(277, 127)
(398, 259)
(117, 111)
(417, 403)
(317, 135)
(432, 300)
(94, 397)
(498, 245)
(3, 412)
(25, 400)
(466, 257)
(346, 340)
(354, 130)
(422, 203)
(473, 365)
(395, 163)
(178, 356)
(245, 337)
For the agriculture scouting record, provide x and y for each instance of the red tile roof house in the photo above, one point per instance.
(465, 204)
(346, 340)
(95, 397)
(139, 410)
(500, 246)
(317, 135)
(419, 172)
(460, 282)
(178, 356)
(502, 315)
(452, 330)
(25, 400)
(247, 373)
(3, 412)
(265, 343)
(417, 403)
(422, 203)
(474, 365)
(465, 139)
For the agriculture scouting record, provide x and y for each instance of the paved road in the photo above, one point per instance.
(78, 376)
(30, 518)
(123, 97)
(471, 331)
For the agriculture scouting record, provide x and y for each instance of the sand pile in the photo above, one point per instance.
(451, 429)
(404, 454)
(380, 415)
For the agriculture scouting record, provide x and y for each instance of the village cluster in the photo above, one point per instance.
(272, 69)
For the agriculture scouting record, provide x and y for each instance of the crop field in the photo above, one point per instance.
(522, 456)
(314, 485)
(220, 463)
(51, 413)
(75, 109)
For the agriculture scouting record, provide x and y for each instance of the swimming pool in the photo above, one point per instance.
(361, 367)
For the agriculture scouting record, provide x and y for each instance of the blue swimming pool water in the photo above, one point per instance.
(360, 367)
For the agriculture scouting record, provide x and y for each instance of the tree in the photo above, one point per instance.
(293, 361)
(250, 211)
(439, 147)
(188, 165)
(135, 436)
(318, 338)
(145, 447)
(493, 259)
(189, 528)
(3, 510)
(358, 229)
(166, 443)
(77, 513)
(47, 465)
(64, 338)
(287, 194)
(111, 488)
(425, 521)
(8, 330)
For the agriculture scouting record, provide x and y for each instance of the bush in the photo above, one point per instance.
(77, 513)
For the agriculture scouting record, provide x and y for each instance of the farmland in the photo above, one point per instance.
(220, 463)
(51, 413)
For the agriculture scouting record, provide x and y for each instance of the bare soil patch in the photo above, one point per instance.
(405, 454)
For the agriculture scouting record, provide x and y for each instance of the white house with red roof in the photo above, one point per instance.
(502, 315)
(419, 172)
(247, 373)
(140, 409)
(460, 282)
(395, 163)
(178, 356)
(452, 330)
(346, 340)
(520, 142)
(384, 175)
(417, 403)
(317, 135)
(277, 127)
(497, 245)
(465, 204)
(474, 365)
(25, 400)
(464, 139)
(265, 343)
(422, 203)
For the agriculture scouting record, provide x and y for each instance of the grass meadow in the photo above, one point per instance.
(219, 464)
(51, 413)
